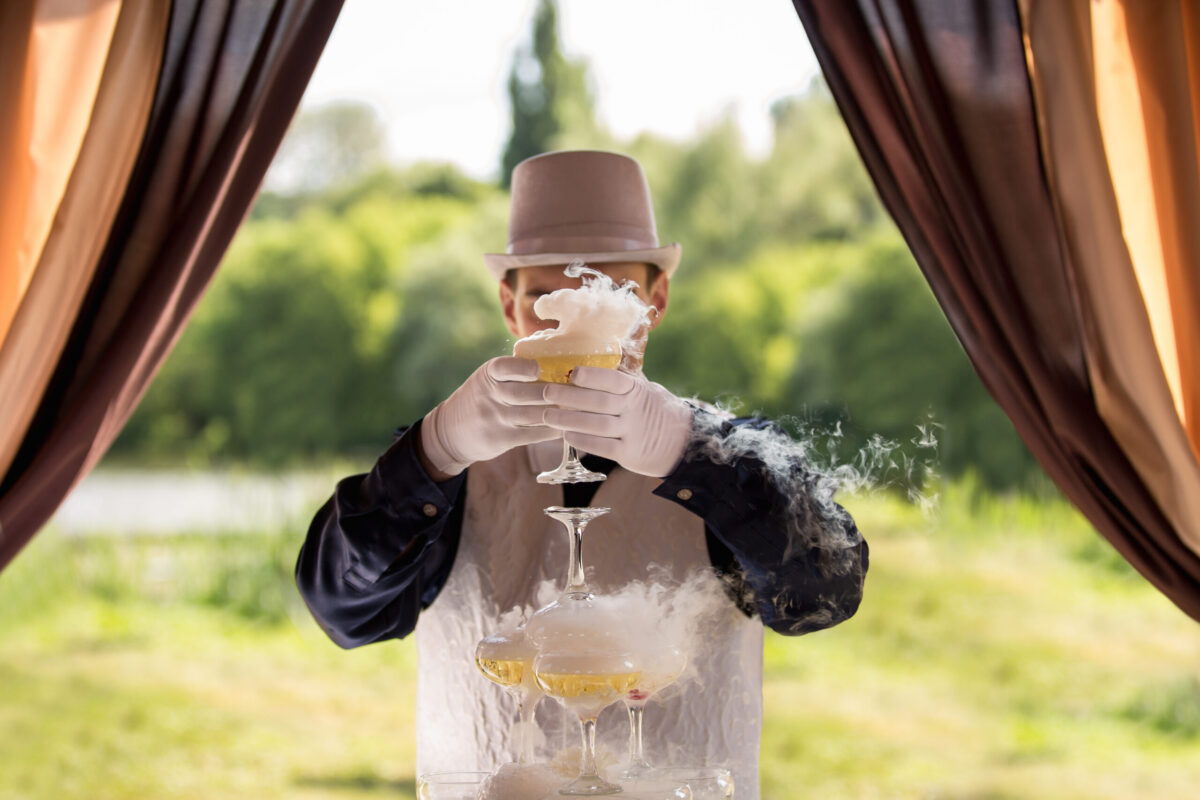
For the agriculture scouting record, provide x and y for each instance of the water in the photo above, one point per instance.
(165, 502)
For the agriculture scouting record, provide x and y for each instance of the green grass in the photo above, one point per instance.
(1002, 651)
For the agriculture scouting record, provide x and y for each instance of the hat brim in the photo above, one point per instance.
(665, 258)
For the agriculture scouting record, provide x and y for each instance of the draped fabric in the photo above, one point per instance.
(1128, 187)
(98, 166)
(1040, 160)
(190, 103)
(52, 55)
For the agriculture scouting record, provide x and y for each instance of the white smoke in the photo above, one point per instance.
(599, 310)
(659, 623)
(520, 782)
(807, 471)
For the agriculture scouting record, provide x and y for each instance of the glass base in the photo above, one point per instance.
(589, 786)
(571, 473)
(632, 772)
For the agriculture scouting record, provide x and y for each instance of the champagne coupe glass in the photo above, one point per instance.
(574, 614)
(586, 682)
(558, 358)
(449, 785)
(576, 596)
(706, 783)
(658, 672)
(506, 659)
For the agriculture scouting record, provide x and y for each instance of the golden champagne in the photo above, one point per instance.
(506, 672)
(559, 355)
(558, 368)
(578, 686)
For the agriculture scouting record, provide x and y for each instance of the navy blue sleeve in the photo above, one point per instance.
(380, 549)
(800, 564)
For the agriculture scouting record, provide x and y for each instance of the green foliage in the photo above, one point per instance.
(816, 187)
(451, 322)
(293, 355)
(733, 331)
(711, 200)
(837, 336)
(886, 318)
(548, 95)
(343, 312)
(1172, 710)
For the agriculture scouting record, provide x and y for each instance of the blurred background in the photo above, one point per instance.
(152, 643)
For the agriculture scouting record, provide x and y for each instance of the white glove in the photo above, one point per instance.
(498, 408)
(626, 418)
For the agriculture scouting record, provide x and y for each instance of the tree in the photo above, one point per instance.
(883, 359)
(329, 146)
(297, 352)
(548, 94)
(814, 183)
(709, 200)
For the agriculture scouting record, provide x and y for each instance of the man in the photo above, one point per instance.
(446, 533)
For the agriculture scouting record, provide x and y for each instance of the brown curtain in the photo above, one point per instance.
(231, 76)
(939, 100)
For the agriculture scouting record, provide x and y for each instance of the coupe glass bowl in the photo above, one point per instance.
(449, 785)
(706, 783)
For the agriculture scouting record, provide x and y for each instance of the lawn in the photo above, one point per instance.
(1002, 651)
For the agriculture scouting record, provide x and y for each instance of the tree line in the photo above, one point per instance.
(354, 298)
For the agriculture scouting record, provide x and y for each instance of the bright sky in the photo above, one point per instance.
(436, 70)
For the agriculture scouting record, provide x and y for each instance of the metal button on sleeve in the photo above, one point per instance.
(684, 494)
(430, 510)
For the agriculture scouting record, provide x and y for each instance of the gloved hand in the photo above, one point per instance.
(614, 414)
(496, 409)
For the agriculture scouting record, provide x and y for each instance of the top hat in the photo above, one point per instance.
(584, 205)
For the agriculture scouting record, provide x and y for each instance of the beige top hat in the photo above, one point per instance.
(581, 204)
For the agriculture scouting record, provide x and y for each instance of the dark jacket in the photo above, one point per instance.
(379, 551)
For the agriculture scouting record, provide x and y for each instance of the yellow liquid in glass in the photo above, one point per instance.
(505, 673)
(570, 685)
(557, 369)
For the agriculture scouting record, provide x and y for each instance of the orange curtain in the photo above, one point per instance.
(52, 55)
(1116, 88)
(1146, 59)
(93, 173)
(1147, 66)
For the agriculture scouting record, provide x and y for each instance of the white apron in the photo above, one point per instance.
(507, 549)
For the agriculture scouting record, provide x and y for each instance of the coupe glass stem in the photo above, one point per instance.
(570, 459)
(576, 580)
(571, 470)
(637, 757)
(525, 707)
(587, 761)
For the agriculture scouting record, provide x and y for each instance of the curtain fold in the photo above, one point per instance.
(42, 324)
(1148, 99)
(1106, 151)
(231, 78)
(52, 54)
(938, 99)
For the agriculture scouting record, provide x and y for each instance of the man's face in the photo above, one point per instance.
(533, 282)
